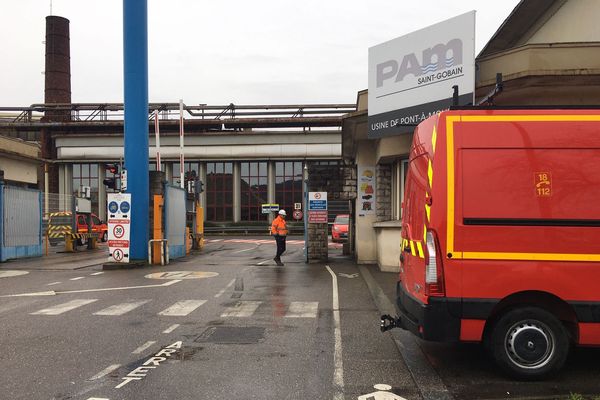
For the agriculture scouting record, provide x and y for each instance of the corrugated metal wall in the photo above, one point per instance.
(21, 219)
(175, 220)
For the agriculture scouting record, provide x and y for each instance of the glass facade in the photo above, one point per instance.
(254, 190)
(288, 184)
(219, 191)
(87, 175)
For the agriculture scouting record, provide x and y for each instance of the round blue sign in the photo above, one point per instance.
(125, 207)
(113, 207)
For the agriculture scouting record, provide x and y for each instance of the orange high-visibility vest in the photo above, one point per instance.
(279, 226)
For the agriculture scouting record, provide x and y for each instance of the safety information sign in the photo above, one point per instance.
(317, 207)
(119, 226)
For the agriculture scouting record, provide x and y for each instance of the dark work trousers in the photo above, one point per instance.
(280, 245)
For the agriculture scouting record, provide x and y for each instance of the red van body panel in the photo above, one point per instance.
(512, 198)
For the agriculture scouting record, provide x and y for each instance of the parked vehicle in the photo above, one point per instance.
(98, 226)
(339, 230)
(501, 234)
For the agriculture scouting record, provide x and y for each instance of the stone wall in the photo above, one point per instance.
(339, 181)
(384, 192)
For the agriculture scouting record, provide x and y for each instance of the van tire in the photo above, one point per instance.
(529, 343)
(104, 237)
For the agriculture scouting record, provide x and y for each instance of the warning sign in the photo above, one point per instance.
(119, 225)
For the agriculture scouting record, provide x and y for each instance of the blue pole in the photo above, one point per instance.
(135, 57)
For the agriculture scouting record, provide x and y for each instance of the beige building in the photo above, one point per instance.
(548, 52)
(19, 162)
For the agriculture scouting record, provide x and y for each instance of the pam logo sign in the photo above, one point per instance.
(439, 57)
(411, 77)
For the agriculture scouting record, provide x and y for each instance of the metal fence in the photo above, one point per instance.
(20, 222)
(175, 215)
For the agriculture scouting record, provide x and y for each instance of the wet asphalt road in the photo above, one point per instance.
(245, 330)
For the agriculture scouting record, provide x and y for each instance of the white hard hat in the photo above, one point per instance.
(282, 212)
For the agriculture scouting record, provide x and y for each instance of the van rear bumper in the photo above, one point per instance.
(438, 321)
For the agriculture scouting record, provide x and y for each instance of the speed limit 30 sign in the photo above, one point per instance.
(119, 225)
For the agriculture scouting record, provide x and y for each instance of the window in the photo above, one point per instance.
(253, 191)
(219, 191)
(86, 175)
(288, 184)
(399, 171)
(188, 166)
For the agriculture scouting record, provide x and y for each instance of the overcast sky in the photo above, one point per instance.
(221, 52)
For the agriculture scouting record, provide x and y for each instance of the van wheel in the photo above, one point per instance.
(529, 343)
(105, 236)
(82, 241)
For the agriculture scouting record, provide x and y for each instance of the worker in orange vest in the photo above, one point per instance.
(279, 231)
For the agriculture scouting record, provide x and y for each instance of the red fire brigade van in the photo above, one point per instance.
(501, 234)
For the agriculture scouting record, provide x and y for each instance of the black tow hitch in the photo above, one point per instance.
(388, 322)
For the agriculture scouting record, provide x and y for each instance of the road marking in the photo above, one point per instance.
(105, 372)
(241, 251)
(140, 372)
(242, 309)
(263, 262)
(53, 283)
(98, 398)
(10, 274)
(338, 374)
(143, 347)
(76, 279)
(52, 293)
(97, 273)
(225, 288)
(171, 328)
(62, 308)
(350, 276)
(302, 309)
(182, 308)
(120, 309)
(181, 275)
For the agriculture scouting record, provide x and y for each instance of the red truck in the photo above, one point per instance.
(501, 234)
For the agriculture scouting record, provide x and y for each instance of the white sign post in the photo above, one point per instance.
(412, 77)
(119, 226)
(317, 207)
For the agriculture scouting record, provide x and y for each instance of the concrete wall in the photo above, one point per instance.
(366, 240)
(575, 21)
(388, 245)
(25, 171)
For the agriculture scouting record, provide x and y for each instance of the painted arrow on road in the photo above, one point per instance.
(347, 275)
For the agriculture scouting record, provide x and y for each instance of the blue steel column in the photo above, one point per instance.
(135, 55)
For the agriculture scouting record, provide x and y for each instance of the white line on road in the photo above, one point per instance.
(120, 309)
(53, 283)
(62, 308)
(98, 398)
(241, 251)
(262, 262)
(76, 279)
(105, 372)
(171, 328)
(52, 293)
(97, 273)
(143, 347)
(242, 309)
(302, 309)
(182, 308)
(338, 374)
(225, 288)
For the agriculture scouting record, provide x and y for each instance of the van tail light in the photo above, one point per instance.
(434, 271)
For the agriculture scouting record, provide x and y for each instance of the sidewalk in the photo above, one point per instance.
(58, 261)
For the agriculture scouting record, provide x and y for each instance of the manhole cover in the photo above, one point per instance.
(232, 335)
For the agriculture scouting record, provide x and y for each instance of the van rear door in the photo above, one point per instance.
(413, 221)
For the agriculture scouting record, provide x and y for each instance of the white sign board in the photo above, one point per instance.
(317, 207)
(411, 77)
(119, 226)
(367, 190)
